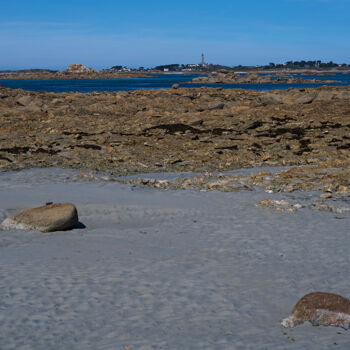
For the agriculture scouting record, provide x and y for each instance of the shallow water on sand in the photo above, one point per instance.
(164, 269)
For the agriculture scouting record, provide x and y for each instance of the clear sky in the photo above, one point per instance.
(100, 34)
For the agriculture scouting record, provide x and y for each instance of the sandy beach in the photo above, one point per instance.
(166, 269)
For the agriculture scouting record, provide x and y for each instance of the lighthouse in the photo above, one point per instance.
(202, 62)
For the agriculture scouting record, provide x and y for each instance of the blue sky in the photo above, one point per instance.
(100, 34)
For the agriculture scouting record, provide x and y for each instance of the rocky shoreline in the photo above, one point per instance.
(255, 78)
(178, 129)
(71, 75)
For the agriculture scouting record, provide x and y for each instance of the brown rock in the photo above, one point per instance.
(304, 99)
(343, 95)
(216, 105)
(24, 100)
(325, 96)
(33, 107)
(270, 99)
(320, 308)
(78, 68)
(342, 189)
(48, 218)
(326, 195)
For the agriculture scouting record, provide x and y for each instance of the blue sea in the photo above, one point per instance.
(161, 81)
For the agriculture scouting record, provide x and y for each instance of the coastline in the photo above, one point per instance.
(136, 74)
(65, 75)
(255, 78)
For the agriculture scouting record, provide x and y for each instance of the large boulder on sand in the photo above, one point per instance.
(321, 309)
(48, 218)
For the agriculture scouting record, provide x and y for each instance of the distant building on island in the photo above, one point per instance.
(121, 69)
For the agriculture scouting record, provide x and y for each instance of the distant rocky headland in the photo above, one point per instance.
(73, 71)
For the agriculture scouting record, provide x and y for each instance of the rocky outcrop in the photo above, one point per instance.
(195, 129)
(48, 218)
(79, 68)
(254, 78)
(89, 74)
(232, 78)
(321, 309)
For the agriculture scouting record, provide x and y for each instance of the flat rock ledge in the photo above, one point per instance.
(47, 218)
(320, 309)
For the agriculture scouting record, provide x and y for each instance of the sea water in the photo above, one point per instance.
(161, 81)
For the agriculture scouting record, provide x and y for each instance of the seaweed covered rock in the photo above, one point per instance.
(321, 309)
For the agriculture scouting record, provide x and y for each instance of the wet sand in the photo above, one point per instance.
(175, 269)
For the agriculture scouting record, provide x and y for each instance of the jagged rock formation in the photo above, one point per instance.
(254, 78)
(79, 68)
(175, 129)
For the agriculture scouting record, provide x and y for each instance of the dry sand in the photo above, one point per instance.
(165, 269)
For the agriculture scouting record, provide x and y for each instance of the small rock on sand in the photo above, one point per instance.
(48, 218)
(320, 308)
(326, 195)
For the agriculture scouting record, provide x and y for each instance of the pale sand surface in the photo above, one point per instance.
(165, 269)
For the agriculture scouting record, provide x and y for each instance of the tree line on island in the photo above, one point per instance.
(295, 65)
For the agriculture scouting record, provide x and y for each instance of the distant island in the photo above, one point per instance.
(289, 66)
(79, 71)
